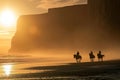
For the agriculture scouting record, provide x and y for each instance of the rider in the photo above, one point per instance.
(92, 57)
(100, 56)
(78, 57)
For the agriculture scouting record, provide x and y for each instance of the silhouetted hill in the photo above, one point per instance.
(91, 26)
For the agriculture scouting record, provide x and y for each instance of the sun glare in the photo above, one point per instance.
(7, 18)
(7, 69)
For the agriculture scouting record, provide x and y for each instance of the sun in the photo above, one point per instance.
(7, 18)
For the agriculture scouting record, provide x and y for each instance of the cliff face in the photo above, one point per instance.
(72, 27)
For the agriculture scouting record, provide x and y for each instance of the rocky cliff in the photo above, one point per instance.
(73, 27)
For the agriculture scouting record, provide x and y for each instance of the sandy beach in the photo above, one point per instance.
(107, 70)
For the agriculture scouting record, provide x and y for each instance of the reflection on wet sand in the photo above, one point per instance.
(7, 68)
(14, 68)
(45, 70)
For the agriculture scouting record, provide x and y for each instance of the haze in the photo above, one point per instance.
(98, 29)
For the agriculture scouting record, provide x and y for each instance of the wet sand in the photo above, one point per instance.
(108, 70)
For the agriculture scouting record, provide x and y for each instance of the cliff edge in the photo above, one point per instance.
(89, 26)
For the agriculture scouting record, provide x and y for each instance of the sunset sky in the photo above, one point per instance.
(12, 9)
(21, 7)
(55, 31)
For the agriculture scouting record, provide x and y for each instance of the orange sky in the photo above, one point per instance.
(36, 6)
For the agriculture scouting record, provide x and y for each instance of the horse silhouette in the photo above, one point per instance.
(100, 56)
(78, 57)
(92, 57)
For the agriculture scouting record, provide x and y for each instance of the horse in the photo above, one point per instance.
(100, 56)
(78, 57)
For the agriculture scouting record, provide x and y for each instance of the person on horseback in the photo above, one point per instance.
(100, 56)
(92, 57)
(78, 57)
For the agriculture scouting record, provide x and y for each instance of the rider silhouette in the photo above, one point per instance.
(92, 57)
(100, 56)
(78, 57)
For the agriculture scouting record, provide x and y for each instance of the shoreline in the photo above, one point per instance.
(106, 69)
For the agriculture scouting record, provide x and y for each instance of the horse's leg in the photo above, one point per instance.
(98, 59)
(102, 59)
(92, 60)
(77, 60)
